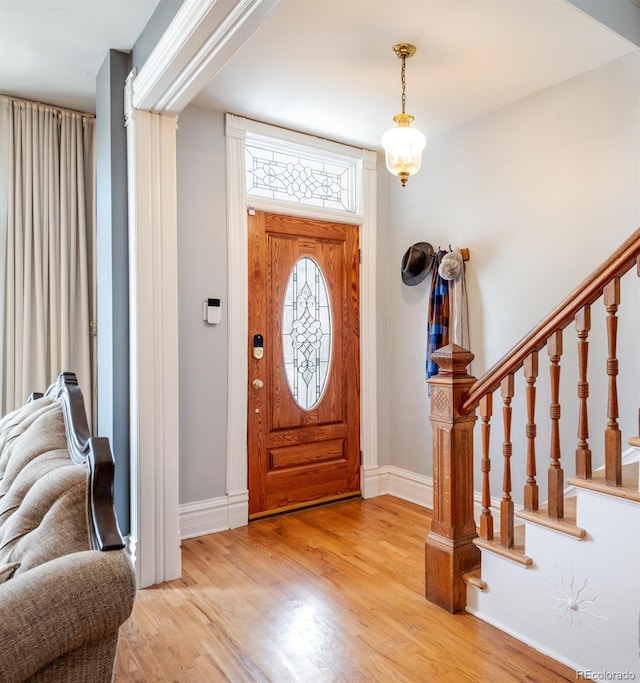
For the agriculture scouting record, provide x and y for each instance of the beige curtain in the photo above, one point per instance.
(49, 238)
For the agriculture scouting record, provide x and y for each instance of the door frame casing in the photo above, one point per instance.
(238, 204)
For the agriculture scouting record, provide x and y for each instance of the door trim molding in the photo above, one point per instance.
(153, 316)
(238, 203)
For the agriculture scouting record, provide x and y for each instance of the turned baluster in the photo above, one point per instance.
(583, 452)
(612, 436)
(506, 504)
(486, 518)
(556, 475)
(531, 487)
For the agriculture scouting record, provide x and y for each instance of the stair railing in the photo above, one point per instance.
(452, 544)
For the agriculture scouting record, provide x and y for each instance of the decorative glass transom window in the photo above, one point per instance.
(282, 171)
(306, 333)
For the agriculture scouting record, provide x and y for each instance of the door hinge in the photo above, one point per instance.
(360, 255)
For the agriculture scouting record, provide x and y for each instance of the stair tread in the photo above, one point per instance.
(628, 490)
(516, 553)
(566, 525)
(474, 578)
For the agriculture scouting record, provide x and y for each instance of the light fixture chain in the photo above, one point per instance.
(403, 80)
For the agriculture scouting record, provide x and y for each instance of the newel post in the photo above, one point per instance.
(450, 551)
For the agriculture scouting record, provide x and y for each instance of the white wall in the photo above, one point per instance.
(202, 273)
(541, 192)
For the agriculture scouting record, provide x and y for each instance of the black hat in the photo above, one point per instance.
(417, 262)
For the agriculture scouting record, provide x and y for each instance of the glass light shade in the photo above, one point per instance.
(403, 148)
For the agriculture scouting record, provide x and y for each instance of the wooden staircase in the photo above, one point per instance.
(563, 575)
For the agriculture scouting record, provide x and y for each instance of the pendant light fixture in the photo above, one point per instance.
(403, 145)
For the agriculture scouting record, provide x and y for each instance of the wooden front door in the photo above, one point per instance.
(304, 362)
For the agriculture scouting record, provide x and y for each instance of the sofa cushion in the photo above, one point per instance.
(7, 570)
(51, 520)
(43, 493)
(15, 423)
(36, 433)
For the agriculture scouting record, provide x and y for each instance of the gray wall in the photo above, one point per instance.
(202, 273)
(113, 271)
(155, 27)
(112, 260)
(541, 192)
(520, 188)
(623, 16)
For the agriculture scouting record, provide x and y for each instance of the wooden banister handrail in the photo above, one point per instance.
(586, 293)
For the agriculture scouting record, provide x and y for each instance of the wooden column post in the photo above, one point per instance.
(450, 551)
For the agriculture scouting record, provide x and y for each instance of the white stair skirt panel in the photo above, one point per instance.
(580, 600)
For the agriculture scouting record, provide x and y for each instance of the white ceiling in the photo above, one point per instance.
(51, 50)
(326, 66)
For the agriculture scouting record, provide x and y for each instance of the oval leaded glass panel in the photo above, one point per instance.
(306, 333)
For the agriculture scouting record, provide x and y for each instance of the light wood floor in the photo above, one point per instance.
(333, 593)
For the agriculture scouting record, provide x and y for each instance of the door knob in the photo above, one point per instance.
(257, 384)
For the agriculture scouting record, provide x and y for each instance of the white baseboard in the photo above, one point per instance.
(228, 512)
(238, 506)
(211, 516)
(533, 644)
(415, 488)
(203, 517)
(374, 481)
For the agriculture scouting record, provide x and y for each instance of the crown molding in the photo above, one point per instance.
(202, 37)
(128, 96)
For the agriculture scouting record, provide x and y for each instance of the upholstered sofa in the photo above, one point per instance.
(66, 581)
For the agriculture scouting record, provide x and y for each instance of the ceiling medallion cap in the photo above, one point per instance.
(403, 119)
(404, 50)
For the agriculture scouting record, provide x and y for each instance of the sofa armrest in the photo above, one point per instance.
(60, 605)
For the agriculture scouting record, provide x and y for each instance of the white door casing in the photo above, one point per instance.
(238, 203)
(153, 312)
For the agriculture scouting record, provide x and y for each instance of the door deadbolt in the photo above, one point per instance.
(257, 384)
(258, 346)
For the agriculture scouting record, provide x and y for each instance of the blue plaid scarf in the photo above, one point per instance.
(438, 323)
